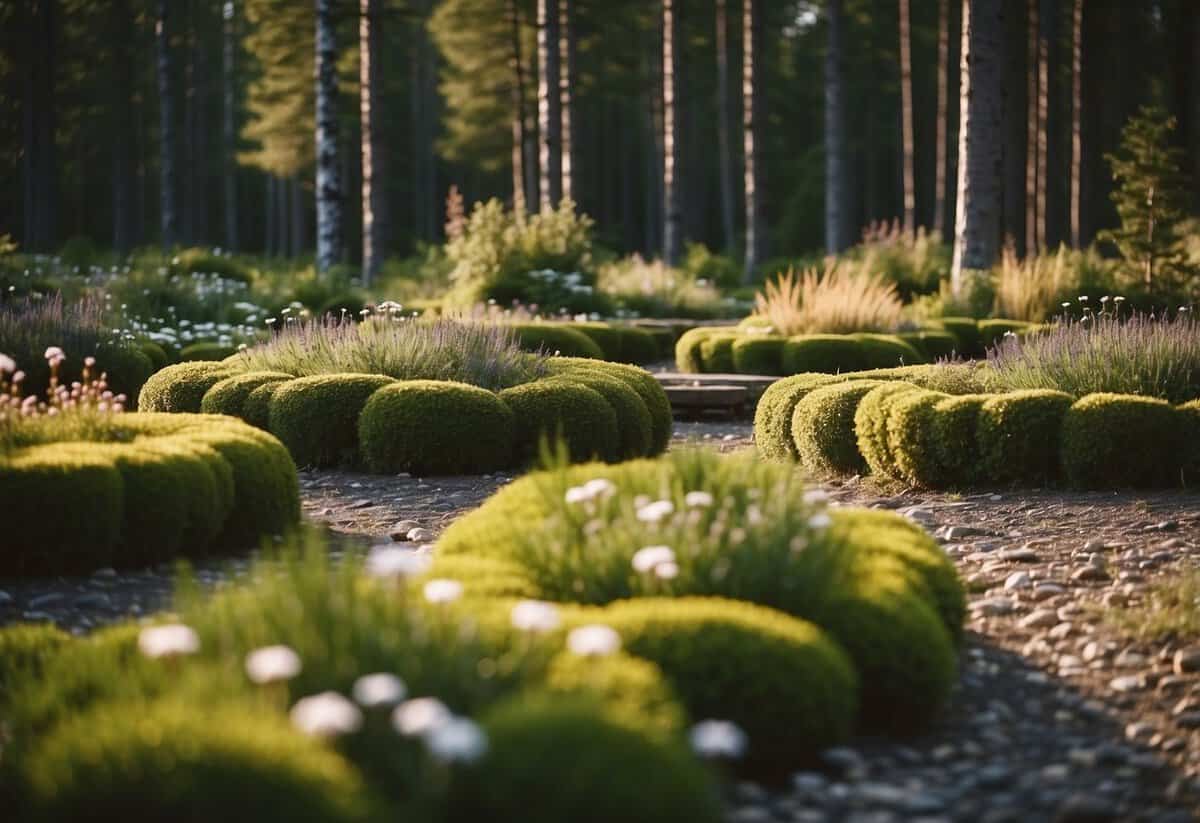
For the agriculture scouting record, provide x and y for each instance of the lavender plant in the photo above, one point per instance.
(1153, 356)
(398, 346)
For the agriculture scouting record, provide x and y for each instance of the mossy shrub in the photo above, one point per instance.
(827, 353)
(1119, 440)
(955, 442)
(758, 354)
(933, 344)
(172, 761)
(638, 379)
(552, 758)
(688, 357)
(228, 396)
(256, 410)
(549, 409)
(317, 417)
(435, 427)
(966, 333)
(637, 346)
(773, 414)
(206, 351)
(823, 428)
(633, 690)
(1189, 416)
(24, 650)
(633, 418)
(606, 337)
(783, 680)
(157, 355)
(555, 338)
(483, 577)
(885, 351)
(1018, 436)
(716, 353)
(910, 438)
(181, 388)
(871, 427)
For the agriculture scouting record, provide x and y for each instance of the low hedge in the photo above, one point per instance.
(823, 428)
(548, 409)
(932, 344)
(639, 346)
(758, 354)
(824, 353)
(206, 351)
(871, 427)
(885, 351)
(966, 333)
(229, 396)
(1018, 436)
(716, 353)
(640, 380)
(784, 681)
(556, 338)
(955, 435)
(162, 486)
(435, 427)
(1113, 440)
(773, 414)
(993, 331)
(157, 355)
(688, 357)
(633, 417)
(317, 417)
(1190, 417)
(181, 388)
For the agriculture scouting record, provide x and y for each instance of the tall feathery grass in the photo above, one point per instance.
(1032, 289)
(405, 348)
(1142, 354)
(842, 300)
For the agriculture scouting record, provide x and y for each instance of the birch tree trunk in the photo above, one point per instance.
(752, 117)
(168, 218)
(1031, 130)
(229, 123)
(369, 78)
(1076, 119)
(977, 229)
(906, 121)
(835, 135)
(549, 106)
(566, 56)
(724, 149)
(671, 213)
(329, 184)
(1045, 33)
(520, 205)
(943, 95)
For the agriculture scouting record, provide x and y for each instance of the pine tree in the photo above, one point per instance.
(1151, 197)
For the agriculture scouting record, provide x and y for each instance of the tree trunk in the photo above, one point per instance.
(166, 131)
(1076, 119)
(199, 170)
(1032, 64)
(519, 202)
(189, 183)
(1045, 35)
(229, 124)
(906, 121)
(943, 94)
(269, 233)
(836, 218)
(299, 237)
(329, 184)
(976, 241)
(549, 106)
(670, 89)
(566, 56)
(122, 121)
(369, 78)
(752, 123)
(724, 149)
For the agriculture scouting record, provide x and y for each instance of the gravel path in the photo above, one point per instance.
(1057, 716)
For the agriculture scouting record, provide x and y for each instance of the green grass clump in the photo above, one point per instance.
(1018, 436)
(228, 396)
(24, 650)
(1112, 440)
(823, 428)
(181, 388)
(317, 417)
(550, 409)
(435, 427)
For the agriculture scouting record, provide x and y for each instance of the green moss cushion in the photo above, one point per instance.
(556, 338)
(781, 679)
(688, 357)
(181, 388)
(773, 415)
(638, 379)
(229, 396)
(758, 354)
(633, 418)
(1114, 440)
(823, 428)
(884, 351)
(955, 440)
(827, 353)
(256, 410)
(1018, 436)
(614, 772)
(549, 409)
(317, 417)
(435, 427)
(716, 353)
(871, 427)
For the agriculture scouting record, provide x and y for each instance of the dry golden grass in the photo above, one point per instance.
(1031, 289)
(843, 299)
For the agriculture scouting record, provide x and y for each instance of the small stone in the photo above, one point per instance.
(1089, 573)
(44, 600)
(880, 794)
(1022, 555)
(106, 572)
(1139, 732)
(959, 532)
(1085, 808)
(1128, 683)
(92, 600)
(420, 535)
(399, 531)
(994, 607)
(5, 598)
(1188, 720)
(1187, 660)
(1018, 580)
(1129, 660)
(1039, 619)
(809, 783)
(1164, 526)
(361, 504)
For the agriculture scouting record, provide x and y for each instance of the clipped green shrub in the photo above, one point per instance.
(633, 418)
(607, 338)
(871, 427)
(171, 761)
(955, 442)
(933, 344)
(688, 357)
(716, 353)
(638, 346)
(1018, 436)
(966, 333)
(229, 396)
(159, 359)
(317, 417)
(758, 354)
(256, 410)
(549, 409)
(910, 440)
(614, 772)
(773, 415)
(181, 388)
(781, 679)
(823, 428)
(1116, 440)
(632, 690)
(640, 380)
(885, 351)
(127, 368)
(435, 427)
(556, 338)
(206, 351)
(993, 330)
(484, 577)
(827, 353)
(1189, 415)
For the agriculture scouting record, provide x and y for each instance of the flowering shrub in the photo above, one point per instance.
(72, 411)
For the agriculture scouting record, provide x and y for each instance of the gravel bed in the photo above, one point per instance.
(1057, 717)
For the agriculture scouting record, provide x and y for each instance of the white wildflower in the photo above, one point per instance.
(666, 571)
(419, 716)
(820, 520)
(656, 511)
(391, 562)
(593, 641)
(698, 499)
(535, 616)
(172, 640)
(379, 691)
(271, 664)
(327, 714)
(442, 590)
(717, 738)
(645, 560)
(458, 740)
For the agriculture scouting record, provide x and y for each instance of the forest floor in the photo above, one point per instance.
(1061, 714)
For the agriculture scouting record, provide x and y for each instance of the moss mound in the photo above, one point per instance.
(546, 410)
(317, 417)
(228, 396)
(181, 388)
(823, 428)
(1114, 440)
